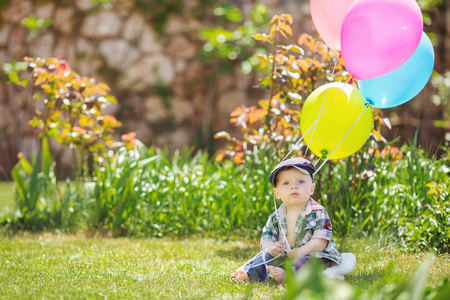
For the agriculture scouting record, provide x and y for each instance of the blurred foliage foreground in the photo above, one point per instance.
(125, 188)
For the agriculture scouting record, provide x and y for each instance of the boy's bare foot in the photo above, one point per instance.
(240, 276)
(277, 273)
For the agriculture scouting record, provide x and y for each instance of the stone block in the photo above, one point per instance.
(148, 42)
(228, 101)
(123, 7)
(180, 47)
(175, 25)
(133, 27)
(16, 11)
(63, 21)
(42, 45)
(103, 25)
(5, 30)
(154, 110)
(182, 110)
(45, 10)
(84, 5)
(119, 54)
(143, 131)
(17, 38)
(147, 72)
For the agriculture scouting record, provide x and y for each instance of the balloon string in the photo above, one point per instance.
(365, 107)
(283, 233)
(315, 122)
(335, 64)
(262, 254)
(321, 107)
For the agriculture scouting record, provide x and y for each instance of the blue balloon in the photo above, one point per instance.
(405, 82)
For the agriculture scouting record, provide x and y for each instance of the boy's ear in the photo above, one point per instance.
(276, 193)
(313, 187)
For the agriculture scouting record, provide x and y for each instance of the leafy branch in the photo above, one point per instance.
(294, 71)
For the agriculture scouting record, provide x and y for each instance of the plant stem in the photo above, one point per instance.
(272, 85)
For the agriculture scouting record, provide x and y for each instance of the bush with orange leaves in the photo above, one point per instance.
(72, 110)
(294, 71)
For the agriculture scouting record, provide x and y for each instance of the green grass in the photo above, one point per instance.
(75, 266)
(7, 194)
(49, 266)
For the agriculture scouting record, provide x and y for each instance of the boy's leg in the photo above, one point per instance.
(256, 268)
(300, 262)
(296, 264)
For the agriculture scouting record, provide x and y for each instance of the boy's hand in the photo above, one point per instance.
(294, 253)
(278, 250)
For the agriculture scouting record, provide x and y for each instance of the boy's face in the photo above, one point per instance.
(293, 187)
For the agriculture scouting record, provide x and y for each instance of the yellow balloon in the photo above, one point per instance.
(342, 107)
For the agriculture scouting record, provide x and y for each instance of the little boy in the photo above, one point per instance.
(299, 229)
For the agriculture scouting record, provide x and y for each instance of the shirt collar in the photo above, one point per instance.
(310, 206)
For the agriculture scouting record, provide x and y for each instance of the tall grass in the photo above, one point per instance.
(155, 193)
(405, 198)
(42, 202)
(190, 193)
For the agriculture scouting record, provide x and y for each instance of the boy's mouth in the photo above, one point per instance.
(294, 194)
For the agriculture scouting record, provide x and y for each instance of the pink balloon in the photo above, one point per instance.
(378, 36)
(327, 16)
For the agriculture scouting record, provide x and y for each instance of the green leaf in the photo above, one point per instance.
(35, 122)
(111, 99)
(442, 123)
(23, 82)
(146, 161)
(35, 186)
(46, 157)
(13, 77)
(265, 83)
(25, 164)
(19, 181)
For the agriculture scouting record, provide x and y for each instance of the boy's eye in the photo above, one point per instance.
(285, 183)
(301, 181)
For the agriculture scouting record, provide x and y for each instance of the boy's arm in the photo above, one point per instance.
(274, 252)
(270, 236)
(314, 245)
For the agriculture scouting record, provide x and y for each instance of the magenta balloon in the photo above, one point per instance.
(327, 16)
(378, 36)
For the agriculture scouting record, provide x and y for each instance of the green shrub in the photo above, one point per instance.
(155, 193)
(42, 202)
(190, 193)
(427, 226)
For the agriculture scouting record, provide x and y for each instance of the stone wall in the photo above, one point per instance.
(166, 95)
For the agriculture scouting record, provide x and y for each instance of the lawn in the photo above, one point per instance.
(51, 265)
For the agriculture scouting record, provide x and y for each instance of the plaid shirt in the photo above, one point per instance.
(313, 222)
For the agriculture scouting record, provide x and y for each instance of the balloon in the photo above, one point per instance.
(378, 36)
(327, 16)
(404, 83)
(341, 105)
